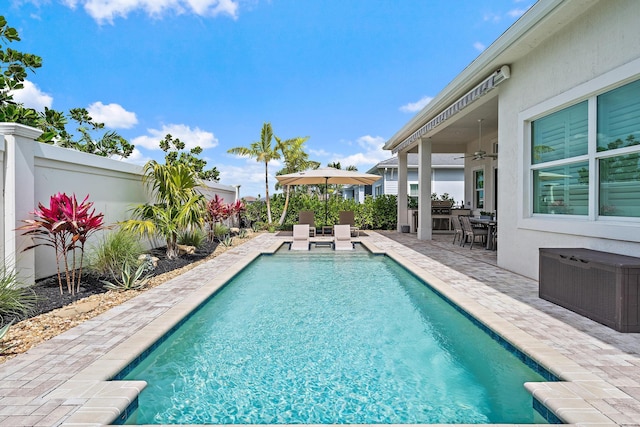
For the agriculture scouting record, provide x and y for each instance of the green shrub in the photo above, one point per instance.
(114, 251)
(194, 237)
(16, 299)
(220, 231)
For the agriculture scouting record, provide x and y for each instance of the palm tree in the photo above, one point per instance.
(264, 152)
(178, 204)
(295, 160)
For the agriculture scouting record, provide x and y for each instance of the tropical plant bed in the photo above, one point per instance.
(55, 313)
(48, 292)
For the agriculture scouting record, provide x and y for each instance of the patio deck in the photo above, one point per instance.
(59, 382)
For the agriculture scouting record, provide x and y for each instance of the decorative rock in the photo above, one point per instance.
(184, 249)
(148, 258)
(75, 310)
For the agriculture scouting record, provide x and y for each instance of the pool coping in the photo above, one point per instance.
(102, 402)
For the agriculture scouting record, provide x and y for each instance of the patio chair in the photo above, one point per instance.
(472, 233)
(300, 238)
(347, 218)
(307, 217)
(342, 237)
(458, 232)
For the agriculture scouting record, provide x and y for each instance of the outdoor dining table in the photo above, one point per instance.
(491, 225)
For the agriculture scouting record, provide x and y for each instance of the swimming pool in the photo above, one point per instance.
(331, 338)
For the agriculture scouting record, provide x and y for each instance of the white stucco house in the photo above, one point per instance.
(559, 93)
(447, 176)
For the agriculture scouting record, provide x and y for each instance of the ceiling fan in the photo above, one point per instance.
(480, 154)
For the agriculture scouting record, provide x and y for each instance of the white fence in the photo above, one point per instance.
(33, 172)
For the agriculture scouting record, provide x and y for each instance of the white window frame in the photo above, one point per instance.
(618, 228)
(410, 183)
(475, 189)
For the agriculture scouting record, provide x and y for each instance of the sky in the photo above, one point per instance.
(348, 74)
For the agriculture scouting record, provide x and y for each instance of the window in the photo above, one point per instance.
(413, 190)
(378, 190)
(563, 146)
(478, 181)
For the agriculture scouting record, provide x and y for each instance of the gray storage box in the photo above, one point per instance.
(599, 285)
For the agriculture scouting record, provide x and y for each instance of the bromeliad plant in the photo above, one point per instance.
(65, 226)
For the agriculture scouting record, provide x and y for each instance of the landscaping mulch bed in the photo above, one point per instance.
(55, 313)
(48, 290)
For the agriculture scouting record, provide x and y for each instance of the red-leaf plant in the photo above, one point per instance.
(235, 209)
(217, 211)
(65, 226)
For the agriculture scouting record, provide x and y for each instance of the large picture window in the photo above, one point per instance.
(562, 149)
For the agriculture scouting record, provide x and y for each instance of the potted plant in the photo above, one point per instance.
(486, 215)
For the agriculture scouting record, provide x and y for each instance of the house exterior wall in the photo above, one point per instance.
(598, 49)
(448, 181)
(444, 180)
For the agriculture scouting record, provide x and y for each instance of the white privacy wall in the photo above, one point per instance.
(587, 54)
(33, 172)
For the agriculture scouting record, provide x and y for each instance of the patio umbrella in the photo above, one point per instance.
(327, 176)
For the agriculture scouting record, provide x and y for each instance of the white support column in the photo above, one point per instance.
(402, 190)
(19, 196)
(424, 190)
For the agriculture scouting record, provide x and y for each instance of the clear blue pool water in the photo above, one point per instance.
(331, 338)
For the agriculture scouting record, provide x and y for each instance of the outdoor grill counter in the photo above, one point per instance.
(602, 286)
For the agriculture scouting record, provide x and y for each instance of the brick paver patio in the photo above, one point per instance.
(57, 382)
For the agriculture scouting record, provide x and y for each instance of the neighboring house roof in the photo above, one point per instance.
(438, 161)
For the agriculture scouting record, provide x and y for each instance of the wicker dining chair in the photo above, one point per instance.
(458, 232)
(472, 233)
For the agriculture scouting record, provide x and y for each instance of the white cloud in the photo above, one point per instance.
(492, 17)
(136, 157)
(517, 13)
(412, 107)
(479, 46)
(372, 153)
(112, 115)
(107, 10)
(190, 137)
(213, 7)
(32, 97)
(319, 153)
(250, 176)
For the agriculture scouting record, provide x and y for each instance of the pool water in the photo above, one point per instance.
(331, 338)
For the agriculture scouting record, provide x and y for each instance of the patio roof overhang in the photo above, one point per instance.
(451, 128)
(487, 85)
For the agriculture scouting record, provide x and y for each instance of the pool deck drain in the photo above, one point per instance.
(61, 381)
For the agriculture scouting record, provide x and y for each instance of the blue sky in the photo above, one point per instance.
(346, 73)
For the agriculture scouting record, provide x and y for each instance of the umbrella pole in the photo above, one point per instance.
(326, 201)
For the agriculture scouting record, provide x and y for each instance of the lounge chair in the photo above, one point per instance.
(300, 238)
(307, 217)
(347, 217)
(342, 237)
